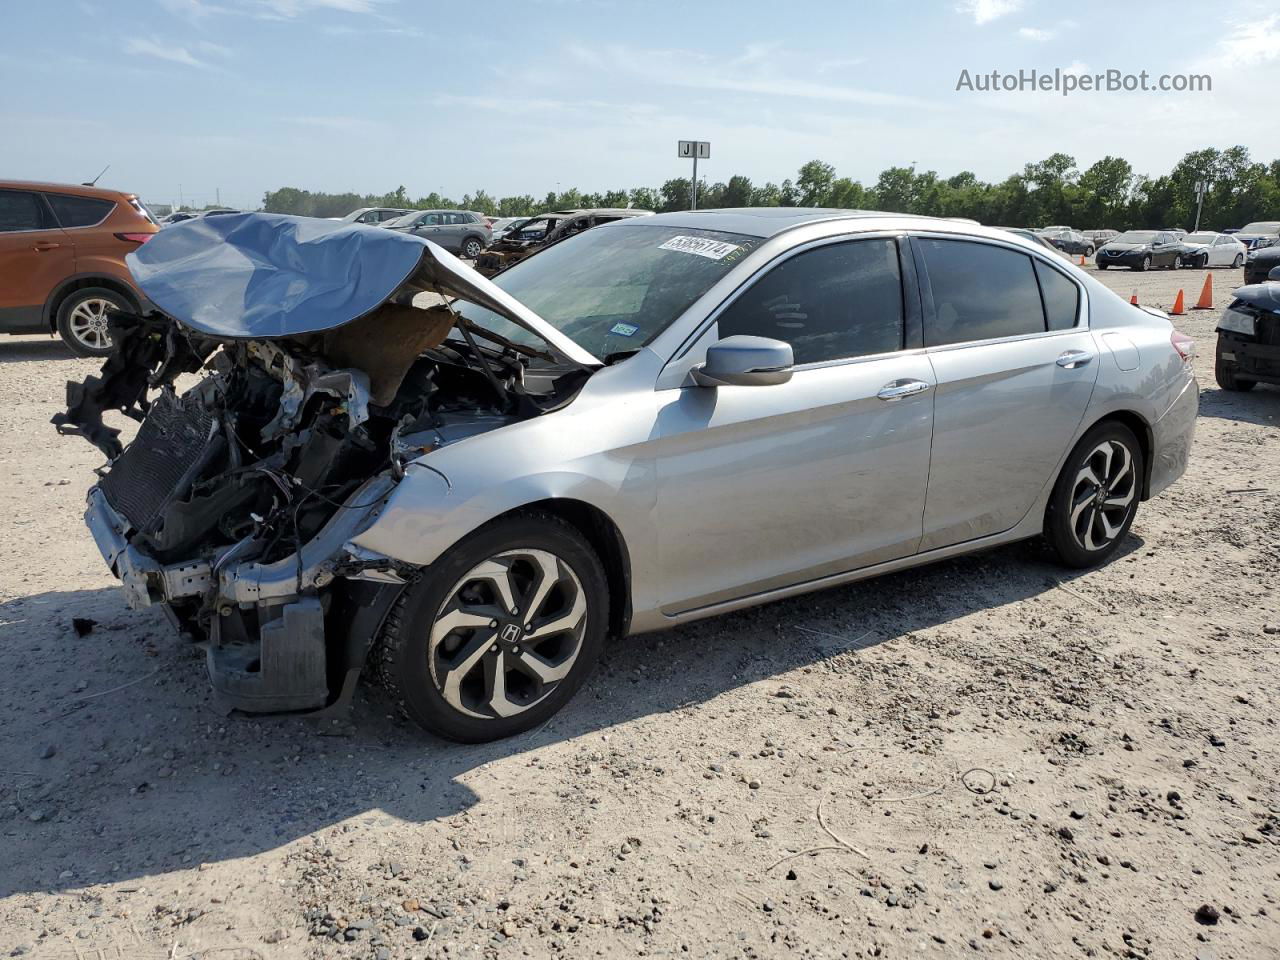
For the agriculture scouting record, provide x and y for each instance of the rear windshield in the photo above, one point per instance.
(613, 289)
(1135, 236)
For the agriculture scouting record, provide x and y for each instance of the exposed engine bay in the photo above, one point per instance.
(234, 504)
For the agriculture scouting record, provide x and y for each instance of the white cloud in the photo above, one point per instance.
(1248, 43)
(761, 69)
(151, 47)
(984, 11)
(291, 9)
(1036, 33)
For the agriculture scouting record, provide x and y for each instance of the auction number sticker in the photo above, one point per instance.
(701, 247)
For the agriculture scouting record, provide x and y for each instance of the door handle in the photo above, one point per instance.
(42, 245)
(1074, 358)
(897, 389)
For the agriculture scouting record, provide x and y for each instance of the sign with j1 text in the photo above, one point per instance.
(688, 149)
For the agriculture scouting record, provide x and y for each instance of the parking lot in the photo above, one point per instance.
(990, 755)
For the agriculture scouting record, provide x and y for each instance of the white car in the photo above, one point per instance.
(1215, 249)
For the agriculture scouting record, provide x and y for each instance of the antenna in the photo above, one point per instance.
(94, 181)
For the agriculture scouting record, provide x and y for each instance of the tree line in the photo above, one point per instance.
(1108, 194)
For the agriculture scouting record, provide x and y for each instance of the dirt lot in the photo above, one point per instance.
(990, 756)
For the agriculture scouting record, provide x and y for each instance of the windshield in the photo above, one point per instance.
(401, 221)
(1135, 236)
(1201, 237)
(613, 289)
(1262, 226)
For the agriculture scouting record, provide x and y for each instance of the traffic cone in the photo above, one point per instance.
(1178, 309)
(1134, 299)
(1206, 294)
(1081, 263)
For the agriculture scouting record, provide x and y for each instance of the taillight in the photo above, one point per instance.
(1186, 346)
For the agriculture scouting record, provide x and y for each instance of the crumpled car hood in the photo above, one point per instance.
(1264, 296)
(261, 276)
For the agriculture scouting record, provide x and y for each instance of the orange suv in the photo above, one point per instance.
(62, 251)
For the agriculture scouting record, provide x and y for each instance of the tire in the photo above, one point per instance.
(1226, 372)
(82, 319)
(472, 247)
(1238, 262)
(1145, 265)
(1177, 262)
(1101, 265)
(1088, 251)
(417, 647)
(1080, 527)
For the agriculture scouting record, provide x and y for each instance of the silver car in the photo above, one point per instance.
(469, 484)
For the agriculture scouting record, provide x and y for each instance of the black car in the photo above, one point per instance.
(1249, 337)
(1142, 250)
(1260, 234)
(1260, 263)
(1067, 240)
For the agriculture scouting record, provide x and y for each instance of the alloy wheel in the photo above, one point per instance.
(472, 249)
(507, 633)
(1103, 495)
(88, 323)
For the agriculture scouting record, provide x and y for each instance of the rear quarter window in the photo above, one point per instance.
(1061, 298)
(79, 211)
(980, 292)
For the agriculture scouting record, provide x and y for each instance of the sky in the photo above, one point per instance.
(225, 99)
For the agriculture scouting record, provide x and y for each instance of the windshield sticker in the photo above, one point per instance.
(623, 329)
(701, 247)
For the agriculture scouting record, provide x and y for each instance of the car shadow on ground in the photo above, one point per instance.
(27, 350)
(1260, 406)
(146, 777)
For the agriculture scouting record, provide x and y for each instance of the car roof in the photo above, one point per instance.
(770, 221)
(609, 211)
(75, 189)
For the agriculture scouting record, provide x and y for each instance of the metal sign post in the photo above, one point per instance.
(695, 150)
(1201, 189)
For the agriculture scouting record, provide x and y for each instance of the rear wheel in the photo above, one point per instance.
(1096, 496)
(500, 634)
(82, 320)
(472, 247)
(1177, 262)
(1238, 262)
(1088, 251)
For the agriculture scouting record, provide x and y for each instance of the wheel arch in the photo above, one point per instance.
(605, 539)
(80, 282)
(1139, 427)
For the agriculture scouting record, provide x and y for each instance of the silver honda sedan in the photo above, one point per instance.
(469, 484)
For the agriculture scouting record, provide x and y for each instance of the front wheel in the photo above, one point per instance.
(1238, 262)
(82, 320)
(1096, 497)
(1177, 262)
(1088, 251)
(1145, 265)
(472, 248)
(1227, 372)
(1101, 265)
(500, 634)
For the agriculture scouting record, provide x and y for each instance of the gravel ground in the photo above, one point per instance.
(990, 755)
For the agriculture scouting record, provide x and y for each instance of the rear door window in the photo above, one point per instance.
(79, 211)
(980, 292)
(21, 210)
(833, 302)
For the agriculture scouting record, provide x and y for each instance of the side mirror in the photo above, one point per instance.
(1274, 273)
(743, 361)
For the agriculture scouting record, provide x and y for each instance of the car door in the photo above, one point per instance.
(1015, 364)
(429, 227)
(1164, 250)
(760, 487)
(35, 256)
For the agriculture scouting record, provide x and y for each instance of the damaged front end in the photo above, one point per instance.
(320, 384)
